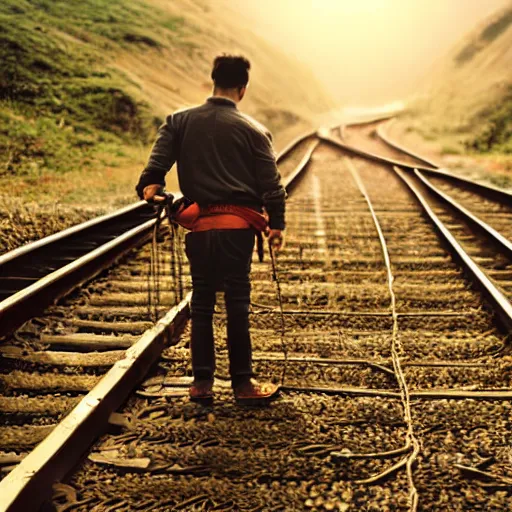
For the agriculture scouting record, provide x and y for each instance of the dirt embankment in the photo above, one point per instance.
(463, 113)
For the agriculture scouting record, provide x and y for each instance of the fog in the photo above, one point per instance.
(366, 52)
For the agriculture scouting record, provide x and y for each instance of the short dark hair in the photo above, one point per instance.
(230, 71)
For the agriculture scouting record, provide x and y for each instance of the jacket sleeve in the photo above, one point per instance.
(273, 194)
(162, 158)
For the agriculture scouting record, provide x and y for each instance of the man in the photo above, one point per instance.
(227, 167)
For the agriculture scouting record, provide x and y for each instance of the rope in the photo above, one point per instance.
(396, 348)
(149, 276)
(156, 263)
(153, 280)
(275, 278)
(178, 244)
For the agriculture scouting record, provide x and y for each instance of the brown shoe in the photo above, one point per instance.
(253, 392)
(201, 391)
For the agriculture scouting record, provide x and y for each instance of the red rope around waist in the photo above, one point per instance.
(221, 216)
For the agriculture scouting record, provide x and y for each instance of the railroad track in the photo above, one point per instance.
(50, 362)
(382, 327)
(479, 216)
(39, 273)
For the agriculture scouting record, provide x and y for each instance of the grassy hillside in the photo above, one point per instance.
(468, 95)
(60, 101)
(84, 86)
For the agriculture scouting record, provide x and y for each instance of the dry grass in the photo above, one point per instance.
(421, 134)
(462, 118)
(25, 222)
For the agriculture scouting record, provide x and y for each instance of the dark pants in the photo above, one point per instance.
(221, 260)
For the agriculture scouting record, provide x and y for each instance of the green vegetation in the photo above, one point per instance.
(60, 102)
(495, 134)
(500, 180)
(498, 27)
(489, 34)
(448, 149)
(130, 21)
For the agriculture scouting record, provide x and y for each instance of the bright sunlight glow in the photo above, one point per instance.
(366, 50)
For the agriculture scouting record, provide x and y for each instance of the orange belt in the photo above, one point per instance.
(220, 216)
(223, 216)
(220, 221)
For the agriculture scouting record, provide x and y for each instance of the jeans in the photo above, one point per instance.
(220, 260)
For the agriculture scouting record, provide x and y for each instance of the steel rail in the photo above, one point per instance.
(293, 179)
(27, 264)
(361, 121)
(393, 144)
(500, 305)
(489, 191)
(342, 127)
(494, 193)
(324, 136)
(494, 236)
(292, 144)
(28, 485)
(371, 120)
(31, 300)
(71, 231)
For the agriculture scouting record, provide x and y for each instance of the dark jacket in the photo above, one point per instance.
(223, 156)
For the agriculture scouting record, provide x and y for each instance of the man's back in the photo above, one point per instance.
(219, 152)
(223, 157)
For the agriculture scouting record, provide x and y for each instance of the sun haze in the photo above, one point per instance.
(366, 51)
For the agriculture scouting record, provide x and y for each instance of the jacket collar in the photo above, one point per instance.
(221, 100)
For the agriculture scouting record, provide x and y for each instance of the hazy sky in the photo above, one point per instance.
(366, 51)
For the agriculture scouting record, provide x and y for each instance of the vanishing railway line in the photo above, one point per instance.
(384, 335)
(480, 217)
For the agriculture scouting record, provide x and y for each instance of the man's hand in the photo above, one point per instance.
(275, 239)
(151, 193)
